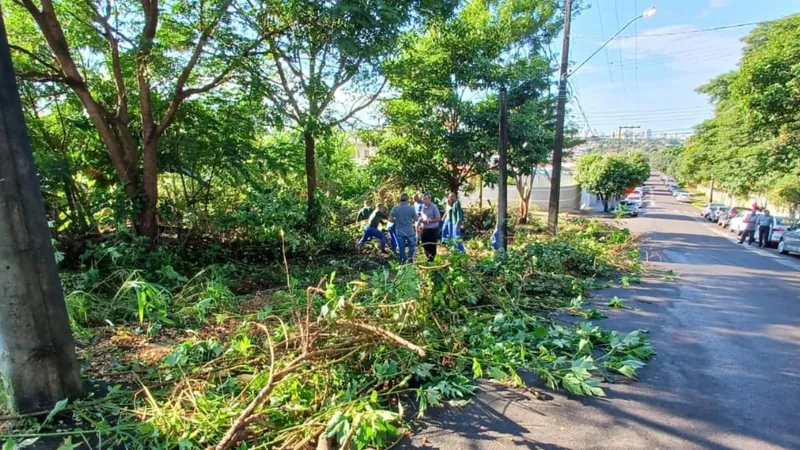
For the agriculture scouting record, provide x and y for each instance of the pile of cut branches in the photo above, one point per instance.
(336, 365)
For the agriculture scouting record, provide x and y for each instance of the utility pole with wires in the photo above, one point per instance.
(619, 133)
(558, 145)
(37, 351)
(502, 182)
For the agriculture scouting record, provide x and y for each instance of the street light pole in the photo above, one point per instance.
(558, 146)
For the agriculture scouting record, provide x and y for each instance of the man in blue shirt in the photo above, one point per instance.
(404, 217)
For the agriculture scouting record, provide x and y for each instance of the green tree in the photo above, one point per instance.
(438, 120)
(131, 65)
(326, 66)
(608, 176)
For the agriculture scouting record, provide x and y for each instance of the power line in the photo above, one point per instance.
(622, 66)
(636, 53)
(580, 108)
(678, 33)
(603, 33)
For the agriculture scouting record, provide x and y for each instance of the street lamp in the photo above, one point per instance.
(558, 145)
(648, 13)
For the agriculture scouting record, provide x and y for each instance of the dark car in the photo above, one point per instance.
(716, 212)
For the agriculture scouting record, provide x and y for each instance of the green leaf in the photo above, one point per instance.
(59, 406)
(422, 370)
(477, 371)
(496, 374)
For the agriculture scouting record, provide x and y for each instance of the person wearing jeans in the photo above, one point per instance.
(453, 222)
(371, 230)
(403, 216)
(749, 222)
(429, 221)
(764, 225)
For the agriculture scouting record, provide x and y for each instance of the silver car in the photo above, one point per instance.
(790, 242)
(780, 225)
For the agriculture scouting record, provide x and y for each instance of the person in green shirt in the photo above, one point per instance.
(371, 230)
(453, 222)
(364, 212)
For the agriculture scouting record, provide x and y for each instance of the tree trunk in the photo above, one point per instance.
(37, 351)
(147, 211)
(454, 183)
(711, 195)
(311, 179)
(480, 191)
(604, 199)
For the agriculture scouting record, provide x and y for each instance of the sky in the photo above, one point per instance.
(648, 76)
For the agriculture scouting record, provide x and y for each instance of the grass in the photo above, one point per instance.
(195, 366)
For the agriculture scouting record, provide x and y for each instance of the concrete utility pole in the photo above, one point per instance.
(37, 351)
(502, 184)
(558, 147)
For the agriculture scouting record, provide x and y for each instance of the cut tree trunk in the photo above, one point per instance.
(37, 351)
(311, 178)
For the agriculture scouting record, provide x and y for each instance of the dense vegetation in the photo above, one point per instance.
(189, 364)
(612, 174)
(752, 144)
(196, 165)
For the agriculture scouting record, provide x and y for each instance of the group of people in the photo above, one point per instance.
(409, 223)
(754, 221)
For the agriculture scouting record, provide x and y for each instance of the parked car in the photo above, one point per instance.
(725, 218)
(677, 192)
(708, 209)
(780, 225)
(737, 224)
(790, 242)
(635, 198)
(717, 212)
(627, 208)
(684, 197)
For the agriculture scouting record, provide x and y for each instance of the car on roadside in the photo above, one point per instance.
(789, 242)
(683, 197)
(725, 217)
(780, 225)
(716, 213)
(736, 224)
(635, 198)
(678, 192)
(709, 209)
(627, 208)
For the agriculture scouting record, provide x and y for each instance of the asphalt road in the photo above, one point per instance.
(727, 374)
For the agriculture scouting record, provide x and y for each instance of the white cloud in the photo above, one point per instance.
(681, 48)
(718, 3)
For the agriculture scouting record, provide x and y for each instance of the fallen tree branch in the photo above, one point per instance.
(387, 335)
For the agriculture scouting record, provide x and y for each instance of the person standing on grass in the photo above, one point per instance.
(429, 220)
(365, 211)
(453, 221)
(371, 230)
(749, 221)
(764, 225)
(404, 216)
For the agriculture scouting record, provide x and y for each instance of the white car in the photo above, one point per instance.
(781, 225)
(683, 197)
(635, 198)
(737, 224)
